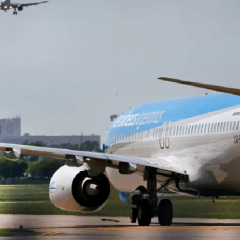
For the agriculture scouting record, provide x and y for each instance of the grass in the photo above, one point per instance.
(16, 232)
(34, 199)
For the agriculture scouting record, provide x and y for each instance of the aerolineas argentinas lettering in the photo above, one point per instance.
(138, 119)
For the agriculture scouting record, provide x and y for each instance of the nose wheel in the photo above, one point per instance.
(15, 12)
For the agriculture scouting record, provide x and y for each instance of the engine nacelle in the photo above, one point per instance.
(72, 189)
(12, 154)
(20, 8)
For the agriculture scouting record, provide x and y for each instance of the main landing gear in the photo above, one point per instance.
(144, 215)
(147, 205)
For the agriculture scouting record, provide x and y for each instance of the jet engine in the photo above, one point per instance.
(20, 8)
(72, 189)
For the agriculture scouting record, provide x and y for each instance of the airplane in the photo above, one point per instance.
(189, 146)
(6, 5)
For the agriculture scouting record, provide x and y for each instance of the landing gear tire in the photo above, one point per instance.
(144, 212)
(165, 212)
(14, 13)
(134, 213)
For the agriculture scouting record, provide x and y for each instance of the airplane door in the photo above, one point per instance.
(164, 140)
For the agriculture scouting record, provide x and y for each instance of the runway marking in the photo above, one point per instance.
(219, 228)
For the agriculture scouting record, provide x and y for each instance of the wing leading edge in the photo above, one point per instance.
(81, 156)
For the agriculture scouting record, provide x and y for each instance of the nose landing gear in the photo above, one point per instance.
(15, 12)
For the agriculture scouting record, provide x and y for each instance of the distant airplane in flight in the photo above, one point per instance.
(6, 5)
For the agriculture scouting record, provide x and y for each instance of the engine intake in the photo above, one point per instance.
(20, 8)
(90, 192)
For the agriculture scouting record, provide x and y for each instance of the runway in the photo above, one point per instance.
(75, 227)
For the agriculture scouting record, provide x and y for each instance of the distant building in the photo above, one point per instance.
(57, 140)
(10, 127)
(10, 132)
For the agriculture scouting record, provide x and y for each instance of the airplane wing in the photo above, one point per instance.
(110, 160)
(15, 5)
(233, 91)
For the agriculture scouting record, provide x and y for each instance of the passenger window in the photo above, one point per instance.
(234, 125)
(195, 129)
(215, 127)
(237, 127)
(192, 131)
(209, 128)
(205, 128)
(212, 127)
(177, 131)
(199, 128)
(230, 126)
(180, 130)
(189, 130)
(221, 127)
(174, 129)
(218, 127)
(184, 129)
(226, 127)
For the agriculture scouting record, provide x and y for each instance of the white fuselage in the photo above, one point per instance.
(205, 147)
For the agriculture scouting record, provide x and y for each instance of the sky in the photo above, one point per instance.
(66, 66)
